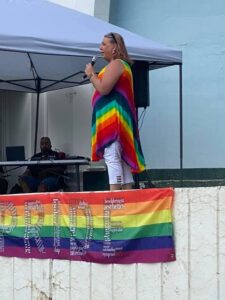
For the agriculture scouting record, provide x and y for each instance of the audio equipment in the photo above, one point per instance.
(140, 71)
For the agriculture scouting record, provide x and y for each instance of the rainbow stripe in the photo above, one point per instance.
(104, 227)
(114, 118)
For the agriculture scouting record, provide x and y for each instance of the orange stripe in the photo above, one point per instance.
(106, 122)
(98, 210)
(130, 196)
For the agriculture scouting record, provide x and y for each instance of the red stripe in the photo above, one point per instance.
(130, 196)
(20, 199)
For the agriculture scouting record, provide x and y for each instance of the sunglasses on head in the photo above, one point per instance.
(113, 37)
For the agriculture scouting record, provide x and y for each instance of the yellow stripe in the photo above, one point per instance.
(162, 216)
(109, 114)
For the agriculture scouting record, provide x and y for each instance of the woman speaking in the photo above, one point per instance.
(115, 135)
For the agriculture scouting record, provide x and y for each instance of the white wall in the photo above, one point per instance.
(85, 6)
(102, 9)
(98, 8)
(17, 121)
(197, 274)
(68, 119)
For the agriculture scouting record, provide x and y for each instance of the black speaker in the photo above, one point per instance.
(95, 181)
(3, 186)
(140, 71)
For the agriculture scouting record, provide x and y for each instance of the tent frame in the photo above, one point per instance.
(156, 65)
(28, 49)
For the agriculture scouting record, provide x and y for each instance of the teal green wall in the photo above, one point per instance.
(198, 29)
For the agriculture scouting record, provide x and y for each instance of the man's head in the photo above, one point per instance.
(45, 144)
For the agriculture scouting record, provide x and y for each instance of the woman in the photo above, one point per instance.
(115, 134)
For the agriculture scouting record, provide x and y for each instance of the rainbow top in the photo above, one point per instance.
(114, 118)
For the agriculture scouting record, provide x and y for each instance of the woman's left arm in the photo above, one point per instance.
(111, 75)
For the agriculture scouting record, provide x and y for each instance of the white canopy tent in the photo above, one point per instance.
(44, 47)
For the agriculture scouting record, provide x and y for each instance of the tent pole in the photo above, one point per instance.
(37, 115)
(181, 124)
(136, 176)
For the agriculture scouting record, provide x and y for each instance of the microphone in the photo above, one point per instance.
(93, 61)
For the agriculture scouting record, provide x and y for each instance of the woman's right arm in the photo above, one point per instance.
(111, 75)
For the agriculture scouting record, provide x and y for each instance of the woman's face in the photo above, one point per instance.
(106, 48)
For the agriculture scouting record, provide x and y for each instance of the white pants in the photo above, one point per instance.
(119, 172)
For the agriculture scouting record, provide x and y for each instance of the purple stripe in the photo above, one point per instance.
(106, 142)
(96, 98)
(145, 256)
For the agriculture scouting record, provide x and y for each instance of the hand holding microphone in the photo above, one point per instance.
(93, 61)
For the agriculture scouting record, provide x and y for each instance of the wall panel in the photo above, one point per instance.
(198, 272)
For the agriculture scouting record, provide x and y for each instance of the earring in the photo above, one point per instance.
(114, 51)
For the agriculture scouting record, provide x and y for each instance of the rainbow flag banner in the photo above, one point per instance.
(104, 227)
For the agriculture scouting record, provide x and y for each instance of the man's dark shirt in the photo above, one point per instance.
(48, 155)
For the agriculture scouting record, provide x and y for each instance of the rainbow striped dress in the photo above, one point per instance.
(114, 118)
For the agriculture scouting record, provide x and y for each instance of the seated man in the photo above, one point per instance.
(3, 183)
(43, 178)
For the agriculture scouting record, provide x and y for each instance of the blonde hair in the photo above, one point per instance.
(121, 50)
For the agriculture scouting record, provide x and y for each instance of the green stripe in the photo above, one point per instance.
(139, 153)
(163, 229)
(101, 113)
(119, 109)
(107, 108)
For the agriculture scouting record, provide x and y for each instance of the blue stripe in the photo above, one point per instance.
(97, 245)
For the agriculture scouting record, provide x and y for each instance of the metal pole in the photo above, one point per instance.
(136, 176)
(181, 124)
(37, 115)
